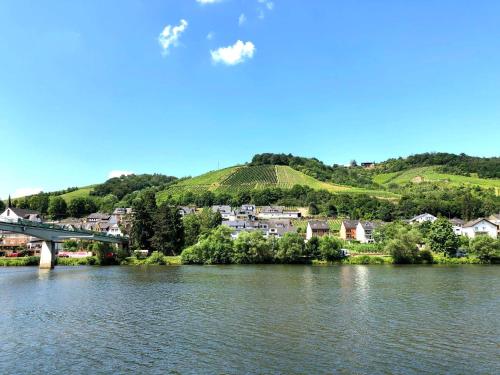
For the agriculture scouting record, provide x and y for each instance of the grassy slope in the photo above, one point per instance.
(430, 174)
(80, 193)
(242, 178)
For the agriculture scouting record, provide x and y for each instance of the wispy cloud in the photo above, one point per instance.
(208, 1)
(235, 54)
(242, 19)
(24, 192)
(210, 35)
(117, 173)
(170, 36)
(266, 5)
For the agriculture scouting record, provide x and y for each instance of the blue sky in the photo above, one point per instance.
(90, 87)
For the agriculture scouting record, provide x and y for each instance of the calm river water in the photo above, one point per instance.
(250, 319)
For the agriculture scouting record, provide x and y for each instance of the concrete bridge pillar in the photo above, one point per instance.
(48, 255)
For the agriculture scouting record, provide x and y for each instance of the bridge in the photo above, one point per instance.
(49, 234)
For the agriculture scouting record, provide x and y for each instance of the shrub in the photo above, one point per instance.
(251, 248)
(485, 248)
(291, 249)
(403, 247)
(192, 255)
(441, 237)
(312, 248)
(329, 248)
(214, 248)
(425, 256)
(156, 258)
(20, 262)
(366, 259)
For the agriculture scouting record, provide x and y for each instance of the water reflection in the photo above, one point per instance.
(255, 319)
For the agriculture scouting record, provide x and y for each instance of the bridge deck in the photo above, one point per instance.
(53, 232)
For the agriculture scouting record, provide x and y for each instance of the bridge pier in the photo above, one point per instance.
(47, 255)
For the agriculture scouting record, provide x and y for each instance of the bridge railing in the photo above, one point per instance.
(37, 224)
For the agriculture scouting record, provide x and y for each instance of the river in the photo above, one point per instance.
(250, 319)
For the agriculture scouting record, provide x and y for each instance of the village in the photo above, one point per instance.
(271, 221)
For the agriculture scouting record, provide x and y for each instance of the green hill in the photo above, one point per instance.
(237, 179)
(83, 192)
(432, 174)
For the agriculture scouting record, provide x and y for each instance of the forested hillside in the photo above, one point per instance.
(441, 184)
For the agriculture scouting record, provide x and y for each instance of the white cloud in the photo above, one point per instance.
(117, 173)
(170, 36)
(208, 1)
(242, 19)
(210, 35)
(24, 192)
(235, 54)
(269, 5)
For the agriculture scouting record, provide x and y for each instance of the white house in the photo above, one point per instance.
(115, 230)
(423, 218)
(225, 211)
(480, 227)
(457, 225)
(317, 228)
(364, 231)
(277, 212)
(495, 219)
(16, 214)
(249, 208)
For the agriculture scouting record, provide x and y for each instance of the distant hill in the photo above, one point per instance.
(388, 179)
(247, 178)
(433, 174)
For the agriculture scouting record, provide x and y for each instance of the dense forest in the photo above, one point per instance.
(449, 163)
(121, 186)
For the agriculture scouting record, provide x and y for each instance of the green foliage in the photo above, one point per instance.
(143, 220)
(313, 248)
(403, 247)
(2, 206)
(426, 256)
(192, 229)
(384, 233)
(70, 245)
(108, 203)
(214, 248)
(58, 208)
(450, 163)
(313, 167)
(103, 253)
(80, 207)
(291, 249)
(329, 248)
(251, 248)
(209, 220)
(441, 237)
(168, 236)
(367, 259)
(19, 262)
(313, 209)
(485, 248)
(121, 186)
(156, 258)
(87, 261)
(439, 258)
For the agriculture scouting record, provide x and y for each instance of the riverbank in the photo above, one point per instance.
(162, 260)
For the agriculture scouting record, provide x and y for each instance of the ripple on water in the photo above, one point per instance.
(255, 319)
